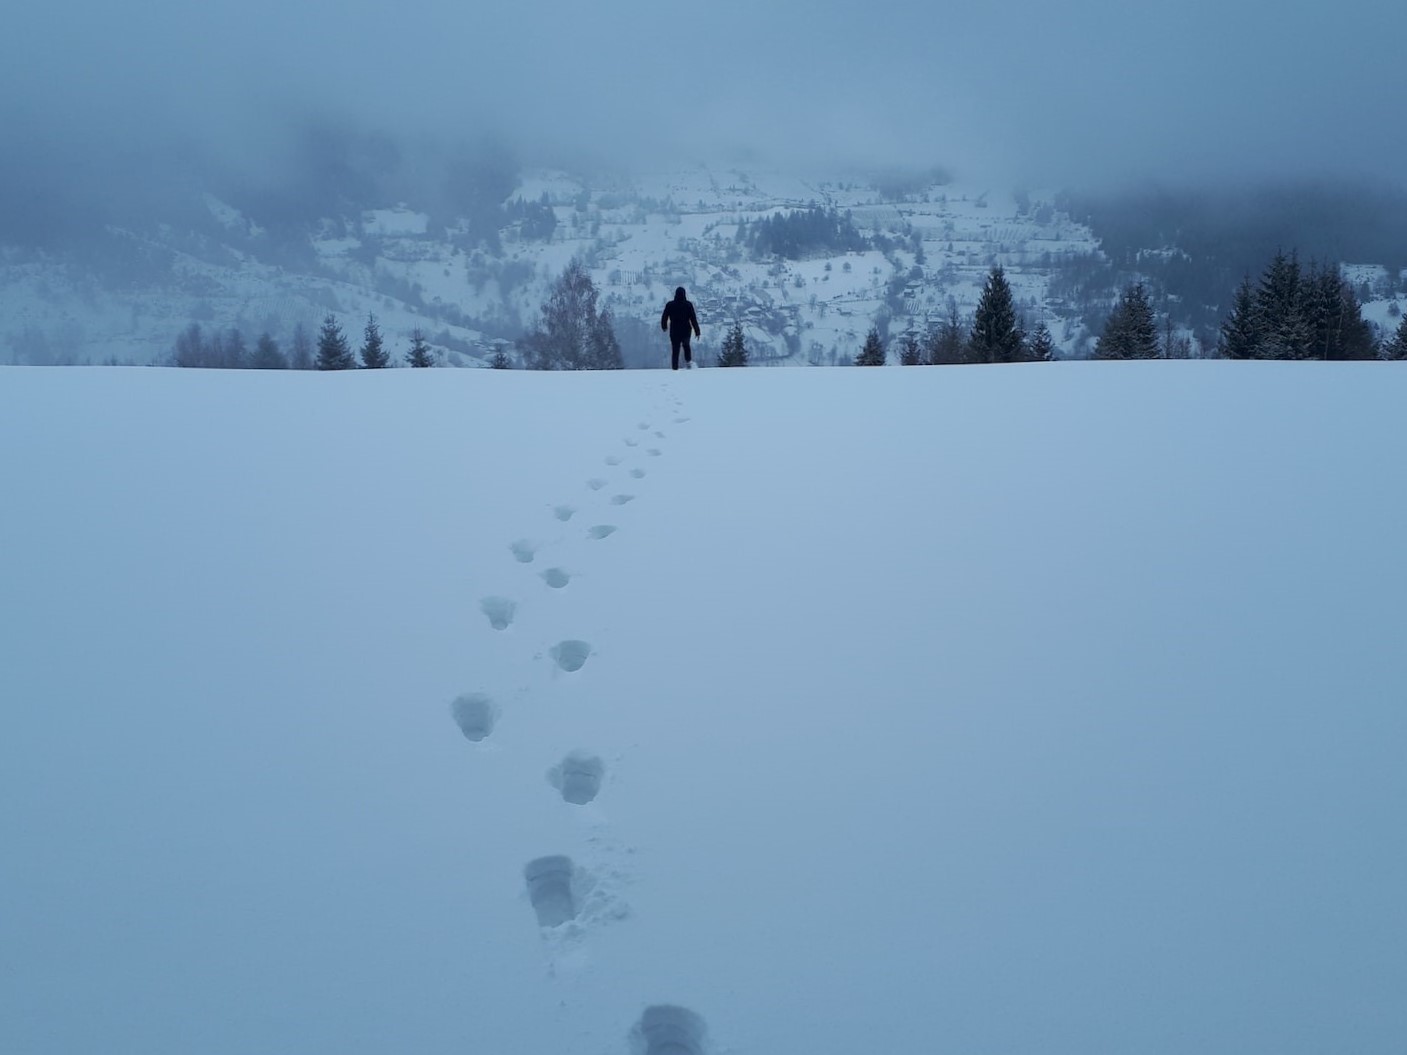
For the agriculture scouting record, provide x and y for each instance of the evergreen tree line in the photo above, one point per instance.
(228, 349)
(536, 220)
(1222, 234)
(1294, 313)
(1300, 312)
(995, 334)
(800, 233)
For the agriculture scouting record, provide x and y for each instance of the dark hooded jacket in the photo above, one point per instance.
(679, 318)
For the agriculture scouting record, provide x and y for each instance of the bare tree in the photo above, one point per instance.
(572, 334)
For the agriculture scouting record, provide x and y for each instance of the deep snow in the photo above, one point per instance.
(1049, 708)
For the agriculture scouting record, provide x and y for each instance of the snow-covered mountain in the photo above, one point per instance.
(930, 242)
(1037, 708)
(916, 251)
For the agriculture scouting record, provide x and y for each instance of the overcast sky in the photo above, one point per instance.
(1084, 92)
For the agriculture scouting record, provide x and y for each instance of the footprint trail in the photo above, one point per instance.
(569, 900)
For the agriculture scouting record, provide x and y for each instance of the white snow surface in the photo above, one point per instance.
(1055, 708)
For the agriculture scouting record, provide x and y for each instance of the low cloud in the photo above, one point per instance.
(1096, 93)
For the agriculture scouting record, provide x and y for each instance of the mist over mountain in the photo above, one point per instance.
(1187, 145)
(1088, 94)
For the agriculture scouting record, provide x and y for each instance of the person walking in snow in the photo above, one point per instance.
(679, 319)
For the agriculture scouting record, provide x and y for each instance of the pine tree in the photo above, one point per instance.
(1041, 347)
(872, 354)
(1280, 311)
(1355, 337)
(996, 333)
(420, 354)
(1334, 317)
(215, 351)
(191, 350)
(945, 344)
(1240, 333)
(1397, 347)
(1131, 332)
(374, 354)
(572, 334)
(500, 361)
(334, 353)
(301, 358)
(267, 355)
(910, 351)
(734, 347)
(1321, 305)
(235, 353)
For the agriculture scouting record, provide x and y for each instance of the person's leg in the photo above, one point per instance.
(688, 353)
(674, 354)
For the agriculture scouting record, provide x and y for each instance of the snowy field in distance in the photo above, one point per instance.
(1055, 708)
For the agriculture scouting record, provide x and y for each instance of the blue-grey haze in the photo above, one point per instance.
(1091, 91)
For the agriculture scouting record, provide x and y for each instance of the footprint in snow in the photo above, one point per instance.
(601, 531)
(556, 578)
(563, 513)
(571, 656)
(643, 426)
(654, 452)
(549, 882)
(659, 435)
(612, 460)
(620, 500)
(630, 441)
(595, 483)
(668, 1030)
(524, 551)
(639, 474)
(500, 611)
(680, 421)
(577, 777)
(475, 714)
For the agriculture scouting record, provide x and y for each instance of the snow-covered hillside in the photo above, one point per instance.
(640, 238)
(1049, 709)
(923, 246)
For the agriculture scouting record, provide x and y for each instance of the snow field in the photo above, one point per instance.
(1033, 708)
